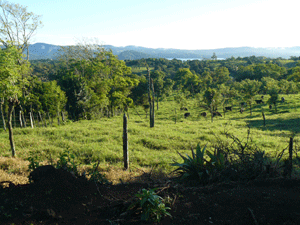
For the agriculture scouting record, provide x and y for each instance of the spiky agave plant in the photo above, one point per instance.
(193, 168)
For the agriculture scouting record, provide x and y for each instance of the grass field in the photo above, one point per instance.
(101, 140)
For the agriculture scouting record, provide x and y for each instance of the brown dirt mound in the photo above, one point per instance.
(64, 199)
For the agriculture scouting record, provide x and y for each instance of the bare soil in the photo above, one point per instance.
(64, 199)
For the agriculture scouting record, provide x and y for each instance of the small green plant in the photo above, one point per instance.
(97, 176)
(66, 162)
(193, 168)
(33, 163)
(217, 160)
(151, 205)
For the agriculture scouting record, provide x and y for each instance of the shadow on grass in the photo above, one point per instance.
(292, 124)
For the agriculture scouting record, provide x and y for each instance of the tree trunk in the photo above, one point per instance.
(62, 116)
(11, 106)
(151, 106)
(14, 114)
(45, 120)
(2, 115)
(49, 118)
(125, 143)
(58, 122)
(153, 103)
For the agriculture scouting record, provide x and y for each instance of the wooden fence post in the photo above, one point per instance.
(31, 120)
(40, 116)
(125, 143)
(24, 119)
(45, 119)
(38, 120)
(58, 118)
(290, 157)
(20, 118)
(49, 119)
(264, 118)
(62, 116)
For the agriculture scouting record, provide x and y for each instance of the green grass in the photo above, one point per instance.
(102, 139)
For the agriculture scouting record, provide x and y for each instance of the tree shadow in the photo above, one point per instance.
(292, 124)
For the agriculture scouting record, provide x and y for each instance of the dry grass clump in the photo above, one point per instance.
(14, 170)
(14, 165)
(118, 175)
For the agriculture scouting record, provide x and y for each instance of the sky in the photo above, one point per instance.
(178, 24)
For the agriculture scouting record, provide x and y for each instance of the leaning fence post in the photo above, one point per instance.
(290, 157)
(125, 143)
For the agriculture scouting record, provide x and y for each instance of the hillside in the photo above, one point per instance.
(47, 51)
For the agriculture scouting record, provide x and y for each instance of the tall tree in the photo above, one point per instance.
(17, 25)
(250, 88)
(94, 79)
(11, 82)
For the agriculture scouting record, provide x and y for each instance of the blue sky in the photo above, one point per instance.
(184, 24)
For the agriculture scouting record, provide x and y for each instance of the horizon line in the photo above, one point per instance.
(173, 48)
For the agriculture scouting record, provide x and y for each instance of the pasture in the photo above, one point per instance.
(155, 148)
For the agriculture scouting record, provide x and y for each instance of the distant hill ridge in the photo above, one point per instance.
(47, 51)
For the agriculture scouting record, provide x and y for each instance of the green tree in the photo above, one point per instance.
(44, 96)
(271, 87)
(228, 95)
(11, 82)
(17, 25)
(220, 76)
(250, 88)
(185, 79)
(212, 99)
(94, 79)
(158, 82)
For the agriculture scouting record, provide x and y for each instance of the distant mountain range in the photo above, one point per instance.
(47, 51)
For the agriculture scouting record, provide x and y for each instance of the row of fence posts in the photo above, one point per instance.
(37, 120)
(125, 136)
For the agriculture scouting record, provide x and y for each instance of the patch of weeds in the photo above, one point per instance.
(97, 176)
(33, 162)
(66, 161)
(151, 205)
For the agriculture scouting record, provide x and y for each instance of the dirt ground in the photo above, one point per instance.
(64, 199)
